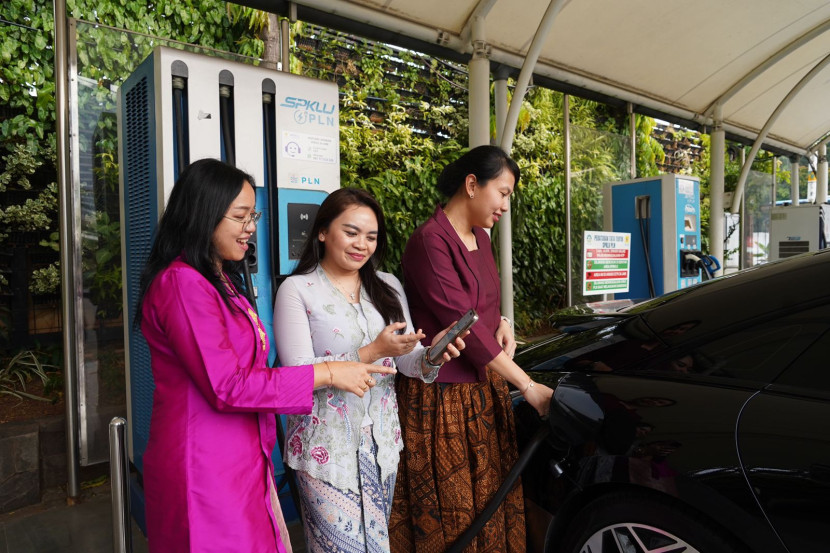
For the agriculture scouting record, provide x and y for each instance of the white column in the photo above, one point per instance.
(566, 131)
(506, 221)
(500, 101)
(821, 178)
(479, 99)
(632, 123)
(716, 188)
(795, 168)
(506, 143)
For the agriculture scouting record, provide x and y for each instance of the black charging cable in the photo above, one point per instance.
(179, 127)
(645, 229)
(249, 284)
(510, 481)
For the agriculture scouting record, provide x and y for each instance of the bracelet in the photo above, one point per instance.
(331, 377)
(530, 385)
(508, 321)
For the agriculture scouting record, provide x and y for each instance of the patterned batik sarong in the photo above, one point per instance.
(459, 445)
(336, 520)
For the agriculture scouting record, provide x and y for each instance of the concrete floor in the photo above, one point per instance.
(55, 527)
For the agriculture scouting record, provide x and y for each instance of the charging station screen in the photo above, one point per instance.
(300, 219)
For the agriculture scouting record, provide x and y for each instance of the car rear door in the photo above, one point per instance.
(783, 439)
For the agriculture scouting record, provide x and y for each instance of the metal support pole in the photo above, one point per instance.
(67, 254)
(632, 124)
(532, 56)
(739, 188)
(794, 181)
(716, 189)
(774, 180)
(821, 178)
(285, 45)
(120, 487)
(506, 143)
(479, 99)
(506, 223)
(501, 103)
(744, 261)
(566, 116)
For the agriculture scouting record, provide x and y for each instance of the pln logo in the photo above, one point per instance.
(305, 180)
(311, 112)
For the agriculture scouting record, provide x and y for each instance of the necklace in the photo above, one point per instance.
(461, 235)
(341, 288)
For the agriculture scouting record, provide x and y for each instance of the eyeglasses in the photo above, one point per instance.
(252, 218)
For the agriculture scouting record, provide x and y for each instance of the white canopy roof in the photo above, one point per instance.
(670, 59)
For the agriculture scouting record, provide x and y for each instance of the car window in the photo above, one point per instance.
(810, 369)
(756, 354)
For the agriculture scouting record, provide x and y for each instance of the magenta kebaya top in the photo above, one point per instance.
(443, 279)
(208, 461)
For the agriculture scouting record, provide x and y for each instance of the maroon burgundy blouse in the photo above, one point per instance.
(442, 280)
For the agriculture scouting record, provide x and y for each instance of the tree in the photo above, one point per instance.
(28, 191)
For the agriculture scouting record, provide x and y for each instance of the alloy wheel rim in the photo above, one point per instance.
(635, 538)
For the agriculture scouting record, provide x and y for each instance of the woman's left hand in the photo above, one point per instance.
(539, 397)
(454, 348)
(505, 338)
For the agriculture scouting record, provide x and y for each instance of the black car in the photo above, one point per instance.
(698, 421)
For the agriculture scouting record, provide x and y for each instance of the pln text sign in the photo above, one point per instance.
(606, 262)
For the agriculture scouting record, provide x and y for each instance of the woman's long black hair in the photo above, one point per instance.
(198, 201)
(485, 162)
(382, 296)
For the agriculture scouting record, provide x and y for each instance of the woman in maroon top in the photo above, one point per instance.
(459, 436)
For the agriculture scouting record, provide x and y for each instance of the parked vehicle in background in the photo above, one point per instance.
(698, 421)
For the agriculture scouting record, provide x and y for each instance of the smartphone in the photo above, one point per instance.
(436, 353)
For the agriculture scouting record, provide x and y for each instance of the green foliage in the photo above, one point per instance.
(28, 204)
(35, 214)
(19, 166)
(403, 118)
(399, 168)
(394, 140)
(19, 370)
(101, 263)
(27, 87)
(649, 151)
(46, 280)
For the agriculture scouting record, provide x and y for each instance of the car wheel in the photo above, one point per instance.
(634, 523)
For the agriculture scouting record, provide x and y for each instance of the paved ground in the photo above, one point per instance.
(55, 527)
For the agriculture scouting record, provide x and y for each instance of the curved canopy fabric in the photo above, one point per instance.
(674, 60)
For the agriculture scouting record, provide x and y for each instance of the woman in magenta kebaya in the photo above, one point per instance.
(208, 477)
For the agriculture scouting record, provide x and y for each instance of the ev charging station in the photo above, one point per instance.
(662, 214)
(796, 229)
(283, 129)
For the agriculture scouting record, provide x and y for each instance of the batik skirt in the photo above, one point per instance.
(459, 445)
(343, 521)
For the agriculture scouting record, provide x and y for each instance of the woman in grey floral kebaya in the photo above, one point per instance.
(336, 306)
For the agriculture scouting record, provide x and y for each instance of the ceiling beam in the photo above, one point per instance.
(352, 18)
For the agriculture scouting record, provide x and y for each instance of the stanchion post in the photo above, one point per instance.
(119, 485)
